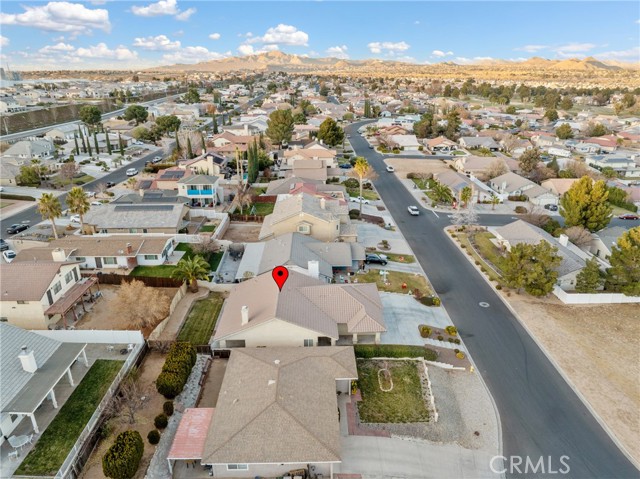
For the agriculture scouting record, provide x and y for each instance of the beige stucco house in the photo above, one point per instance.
(136, 218)
(321, 218)
(307, 312)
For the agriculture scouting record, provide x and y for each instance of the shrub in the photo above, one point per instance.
(483, 269)
(425, 331)
(161, 421)
(420, 148)
(153, 437)
(167, 408)
(520, 209)
(498, 287)
(351, 183)
(451, 330)
(368, 351)
(177, 367)
(477, 262)
(430, 301)
(460, 355)
(456, 340)
(354, 214)
(354, 387)
(517, 198)
(463, 246)
(440, 338)
(450, 340)
(122, 459)
(456, 351)
(453, 235)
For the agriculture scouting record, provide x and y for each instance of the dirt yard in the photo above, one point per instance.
(603, 360)
(148, 373)
(101, 315)
(412, 165)
(242, 232)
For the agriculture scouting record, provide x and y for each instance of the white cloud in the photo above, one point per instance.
(215, 36)
(184, 16)
(245, 49)
(193, 55)
(101, 50)
(571, 49)
(388, 47)
(471, 61)
(163, 7)
(632, 54)
(339, 51)
(281, 35)
(73, 18)
(159, 42)
(4, 41)
(441, 54)
(638, 21)
(57, 48)
(531, 48)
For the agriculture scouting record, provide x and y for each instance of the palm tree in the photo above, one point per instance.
(465, 195)
(191, 270)
(442, 193)
(78, 202)
(494, 201)
(363, 170)
(50, 209)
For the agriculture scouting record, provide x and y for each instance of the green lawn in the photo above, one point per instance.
(208, 228)
(198, 326)
(398, 258)
(81, 180)
(5, 203)
(458, 153)
(464, 240)
(423, 184)
(259, 209)
(395, 280)
(162, 271)
(488, 250)
(57, 440)
(404, 403)
(367, 194)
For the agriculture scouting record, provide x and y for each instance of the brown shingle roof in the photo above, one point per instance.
(27, 281)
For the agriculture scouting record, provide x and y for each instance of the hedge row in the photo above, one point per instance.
(368, 351)
(122, 459)
(177, 367)
(6, 196)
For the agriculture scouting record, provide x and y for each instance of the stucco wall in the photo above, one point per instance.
(270, 470)
(275, 333)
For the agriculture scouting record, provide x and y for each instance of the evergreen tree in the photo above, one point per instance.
(121, 144)
(95, 142)
(367, 109)
(253, 162)
(108, 143)
(84, 145)
(330, 132)
(586, 204)
(589, 280)
(280, 126)
(177, 141)
(532, 268)
(215, 125)
(624, 274)
(189, 149)
(564, 131)
(75, 140)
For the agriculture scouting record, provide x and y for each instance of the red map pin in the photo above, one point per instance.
(280, 275)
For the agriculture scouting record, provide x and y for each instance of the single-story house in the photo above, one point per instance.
(405, 142)
(289, 390)
(473, 142)
(110, 252)
(306, 312)
(303, 254)
(441, 145)
(604, 241)
(511, 184)
(30, 149)
(558, 186)
(37, 294)
(32, 365)
(136, 218)
(573, 259)
(457, 182)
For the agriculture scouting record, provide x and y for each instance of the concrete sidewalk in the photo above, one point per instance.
(179, 314)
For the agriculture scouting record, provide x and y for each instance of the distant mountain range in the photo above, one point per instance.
(279, 61)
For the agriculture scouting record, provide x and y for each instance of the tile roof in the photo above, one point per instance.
(288, 390)
(27, 281)
(303, 301)
(115, 215)
(189, 440)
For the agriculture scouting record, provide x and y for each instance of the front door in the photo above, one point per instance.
(98, 262)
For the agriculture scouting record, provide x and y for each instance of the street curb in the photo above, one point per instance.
(548, 355)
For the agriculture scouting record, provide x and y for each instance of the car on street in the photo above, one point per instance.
(360, 199)
(9, 255)
(371, 147)
(110, 184)
(96, 203)
(1, 189)
(629, 216)
(348, 136)
(156, 159)
(3, 245)
(390, 169)
(345, 166)
(376, 258)
(551, 207)
(132, 172)
(413, 210)
(13, 229)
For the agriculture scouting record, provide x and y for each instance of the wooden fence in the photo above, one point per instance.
(118, 279)
(247, 218)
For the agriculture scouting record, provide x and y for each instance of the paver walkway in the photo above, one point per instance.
(180, 313)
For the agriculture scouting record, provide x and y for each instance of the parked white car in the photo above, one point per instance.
(96, 203)
(360, 199)
(75, 219)
(9, 255)
(390, 169)
(132, 172)
(413, 210)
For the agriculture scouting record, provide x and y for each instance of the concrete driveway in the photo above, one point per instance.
(394, 458)
(369, 235)
(403, 315)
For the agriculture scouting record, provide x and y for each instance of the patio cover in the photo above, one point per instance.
(191, 435)
(66, 302)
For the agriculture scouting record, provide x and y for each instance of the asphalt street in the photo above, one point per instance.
(541, 415)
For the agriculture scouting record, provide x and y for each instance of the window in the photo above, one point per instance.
(109, 260)
(3, 319)
(150, 256)
(303, 229)
(22, 302)
(82, 259)
(57, 287)
(68, 277)
(237, 467)
(308, 343)
(133, 230)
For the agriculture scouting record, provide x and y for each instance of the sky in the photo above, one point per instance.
(135, 35)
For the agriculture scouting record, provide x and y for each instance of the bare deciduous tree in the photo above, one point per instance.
(141, 305)
(206, 246)
(130, 399)
(578, 235)
(101, 188)
(509, 142)
(496, 168)
(68, 171)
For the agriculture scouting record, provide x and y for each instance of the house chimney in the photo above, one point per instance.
(129, 248)
(244, 312)
(563, 240)
(58, 255)
(28, 360)
(314, 268)
(503, 187)
(323, 203)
